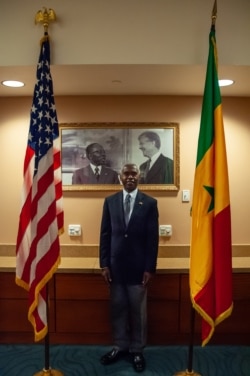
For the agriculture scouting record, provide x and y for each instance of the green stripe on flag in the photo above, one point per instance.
(211, 100)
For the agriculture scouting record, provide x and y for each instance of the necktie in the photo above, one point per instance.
(127, 208)
(97, 174)
(147, 167)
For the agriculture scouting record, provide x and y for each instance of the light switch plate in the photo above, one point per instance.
(185, 195)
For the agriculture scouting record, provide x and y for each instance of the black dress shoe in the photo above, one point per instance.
(138, 362)
(111, 356)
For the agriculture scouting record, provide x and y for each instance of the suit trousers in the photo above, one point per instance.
(129, 316)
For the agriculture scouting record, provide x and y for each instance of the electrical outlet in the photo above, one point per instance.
(165, 230)
(74, 230)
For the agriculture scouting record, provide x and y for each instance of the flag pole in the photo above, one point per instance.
(214, 13)
(47, 370)
(189, 370)
(45, 17)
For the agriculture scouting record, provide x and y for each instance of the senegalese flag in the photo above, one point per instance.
(211, 249)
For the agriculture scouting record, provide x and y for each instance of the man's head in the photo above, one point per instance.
(149, 143)
(129, 176)
(96, 154)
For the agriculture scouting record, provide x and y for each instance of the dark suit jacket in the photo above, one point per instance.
(162, 172)
(85, 175)
(128, 252)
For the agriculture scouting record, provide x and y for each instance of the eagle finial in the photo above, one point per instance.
(45, 17)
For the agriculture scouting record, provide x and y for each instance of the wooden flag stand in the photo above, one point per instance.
(45, 17)
(189, 371)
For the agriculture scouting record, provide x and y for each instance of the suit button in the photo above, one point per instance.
(126, 235)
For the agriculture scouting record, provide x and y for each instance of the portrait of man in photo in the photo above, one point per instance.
(158, 169)
(96, 172)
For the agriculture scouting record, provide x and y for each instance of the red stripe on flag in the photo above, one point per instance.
(215, 298)
(41, 217)
(223, 265)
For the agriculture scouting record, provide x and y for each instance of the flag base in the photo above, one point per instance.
(187, 373)
(49, 372)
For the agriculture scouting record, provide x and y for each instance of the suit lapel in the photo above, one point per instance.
(155, 168)
(119, 206)
(103, 175)
(91, 176)
(137, 206)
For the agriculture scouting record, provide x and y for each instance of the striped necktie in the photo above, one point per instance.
(97, 173)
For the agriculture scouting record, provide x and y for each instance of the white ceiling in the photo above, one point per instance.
(147, 52)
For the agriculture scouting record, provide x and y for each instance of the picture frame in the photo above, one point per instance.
(122, 143)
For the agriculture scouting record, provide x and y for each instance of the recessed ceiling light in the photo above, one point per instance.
(226, 82)
(12, 83)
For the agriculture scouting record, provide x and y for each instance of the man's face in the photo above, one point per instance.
(129, 177)
(147, 147)
(97, 155)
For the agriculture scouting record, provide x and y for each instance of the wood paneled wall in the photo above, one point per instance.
(79, 311)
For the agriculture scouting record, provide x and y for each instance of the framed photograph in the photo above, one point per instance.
(94, 153)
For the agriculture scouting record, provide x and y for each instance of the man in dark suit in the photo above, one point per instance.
(128, 254)
(158, 169)
(96, 172)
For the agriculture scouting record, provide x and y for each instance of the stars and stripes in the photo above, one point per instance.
(41, 217)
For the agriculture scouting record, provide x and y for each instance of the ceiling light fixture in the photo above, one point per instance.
(225, 82)
(12, 83)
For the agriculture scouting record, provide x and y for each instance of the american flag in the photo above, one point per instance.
(41, 217)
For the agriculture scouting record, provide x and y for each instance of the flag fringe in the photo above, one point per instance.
(61, 231)
(22, 284)
(224, 315)
(209, 320)
(39, 335)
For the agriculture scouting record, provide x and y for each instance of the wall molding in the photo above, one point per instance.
(92, 250)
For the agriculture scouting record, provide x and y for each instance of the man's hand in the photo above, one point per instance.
(106, 275)
(146, 277)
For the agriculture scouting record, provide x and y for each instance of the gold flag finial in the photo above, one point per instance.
(214, 12)
(45, 17)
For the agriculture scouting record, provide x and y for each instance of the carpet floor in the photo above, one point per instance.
(28, 360)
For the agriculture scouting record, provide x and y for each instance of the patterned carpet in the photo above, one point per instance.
(28, 360)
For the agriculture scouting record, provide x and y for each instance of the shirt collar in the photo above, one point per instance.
(154, 157)
(93, 167)
(132, 194)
